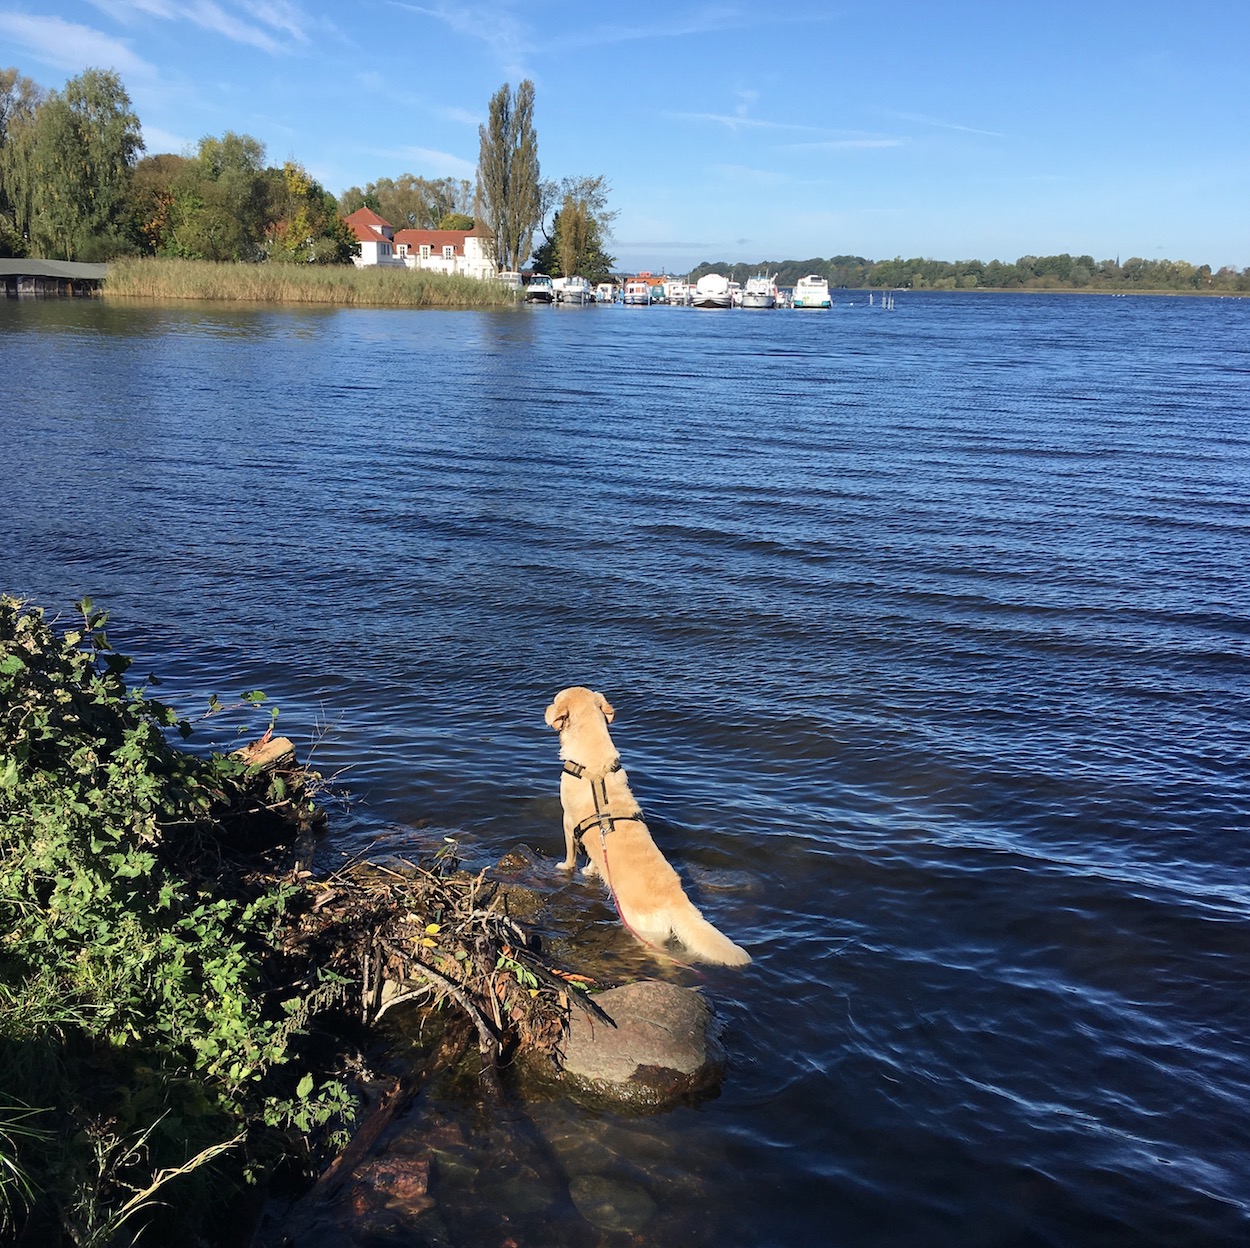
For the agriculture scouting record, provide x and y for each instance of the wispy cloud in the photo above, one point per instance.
(703, 21)
(433, 163)
(69, 46)
(737, 121)
(273, 26)
(938, 123)
(157, 140)
(463, 116)
(829, 140)
(855, 143)
(509, 40)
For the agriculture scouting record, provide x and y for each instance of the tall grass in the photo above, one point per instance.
(300, 283)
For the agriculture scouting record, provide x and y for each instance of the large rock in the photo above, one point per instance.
(662, 1050)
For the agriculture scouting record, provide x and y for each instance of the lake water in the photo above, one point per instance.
(928, 632)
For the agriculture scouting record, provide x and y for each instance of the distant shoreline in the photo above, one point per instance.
(153, 279)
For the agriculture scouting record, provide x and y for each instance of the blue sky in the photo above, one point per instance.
(730, 131)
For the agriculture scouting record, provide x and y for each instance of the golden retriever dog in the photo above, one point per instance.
(600, 810)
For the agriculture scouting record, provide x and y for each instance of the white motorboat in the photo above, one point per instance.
(812, 291)
(713, 290)
(539, 289)
(679, 293)
(575, 290)
(760, 292)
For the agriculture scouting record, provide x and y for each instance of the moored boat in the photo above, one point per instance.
(812, 291)
(539, 289)
(760, 292)
(575, 290)
(637, 293)
(712, 290)
(678, 293)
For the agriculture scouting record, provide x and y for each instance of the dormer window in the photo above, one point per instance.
(449, 252)
(425, 251)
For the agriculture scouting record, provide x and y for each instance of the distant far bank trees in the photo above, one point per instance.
(412, 203)
(1062, 272)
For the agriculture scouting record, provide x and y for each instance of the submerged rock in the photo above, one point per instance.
(663, 1048)
(611, 1204)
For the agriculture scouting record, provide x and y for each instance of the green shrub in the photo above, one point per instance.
(138, 1034)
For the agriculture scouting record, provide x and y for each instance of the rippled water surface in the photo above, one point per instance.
(928, 634)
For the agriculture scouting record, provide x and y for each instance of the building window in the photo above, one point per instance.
(449, 252)
(402, 248)
(425, 251)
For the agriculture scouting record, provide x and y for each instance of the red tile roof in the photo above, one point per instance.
(436, 239)
(368, 226)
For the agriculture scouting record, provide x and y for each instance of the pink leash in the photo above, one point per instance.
(607, 823)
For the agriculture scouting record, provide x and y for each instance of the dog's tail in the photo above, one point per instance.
(704, 942)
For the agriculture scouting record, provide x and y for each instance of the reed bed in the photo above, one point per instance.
(342, 285)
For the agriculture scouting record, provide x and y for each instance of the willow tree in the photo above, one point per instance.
(20, 99)
(507, 174)
(87, 141)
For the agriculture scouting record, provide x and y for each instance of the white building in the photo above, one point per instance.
(468, 253)
(375, 236)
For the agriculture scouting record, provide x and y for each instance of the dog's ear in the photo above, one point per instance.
(606, 707)
(558, 712)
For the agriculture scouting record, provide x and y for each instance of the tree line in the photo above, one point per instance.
(1062, 272)
(75, 185)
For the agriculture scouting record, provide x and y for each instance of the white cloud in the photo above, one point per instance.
(434, 163)
(508, 40)
(270, 25)
(213, 17)
(71, 47)
(938, 123)
(461, 115)
(156, 140)
(861, 142)
(735, 121)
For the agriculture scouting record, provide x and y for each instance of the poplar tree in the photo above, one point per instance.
(508, 176)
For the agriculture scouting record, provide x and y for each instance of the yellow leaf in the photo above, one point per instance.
(433, 929)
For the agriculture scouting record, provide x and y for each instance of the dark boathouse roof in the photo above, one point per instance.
(50, 277)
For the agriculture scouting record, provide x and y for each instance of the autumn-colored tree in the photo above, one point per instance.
(579, 229)
(307, 227)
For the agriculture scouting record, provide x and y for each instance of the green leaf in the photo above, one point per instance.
(305, 1087)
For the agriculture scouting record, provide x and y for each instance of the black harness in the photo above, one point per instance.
(606, 821)
(603, 817)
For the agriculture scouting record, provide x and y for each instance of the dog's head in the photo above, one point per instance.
(575, 701)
